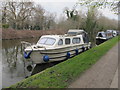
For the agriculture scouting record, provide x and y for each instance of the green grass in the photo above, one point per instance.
(61, 75)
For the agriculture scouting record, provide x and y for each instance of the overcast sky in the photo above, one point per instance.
(59, 5)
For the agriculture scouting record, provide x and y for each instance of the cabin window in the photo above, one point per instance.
(67, 41)
(76, 40)
(72, 33)
(47, 41)
(60, 42)
(100, 35)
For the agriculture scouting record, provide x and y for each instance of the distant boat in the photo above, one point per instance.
(114, 32)
(50, 48)
(103, 36)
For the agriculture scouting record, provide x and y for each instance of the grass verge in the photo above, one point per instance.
(61, 75)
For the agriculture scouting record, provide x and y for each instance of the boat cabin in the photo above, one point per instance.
(114, 32)
(71, 38)
(104, 35)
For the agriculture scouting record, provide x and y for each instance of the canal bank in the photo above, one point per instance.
(8, 34)
(61, 75)
(103, 74)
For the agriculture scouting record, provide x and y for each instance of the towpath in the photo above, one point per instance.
(103, 74)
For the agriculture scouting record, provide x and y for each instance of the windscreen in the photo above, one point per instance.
(46, 41)
(101, 35)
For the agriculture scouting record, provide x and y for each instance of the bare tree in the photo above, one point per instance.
(104, 25)
(38, 18)
(49, 21)
(17, 12)
(26, 15)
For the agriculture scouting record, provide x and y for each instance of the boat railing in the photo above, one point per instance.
(25, 44)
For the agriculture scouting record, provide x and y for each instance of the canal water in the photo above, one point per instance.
(14, 65)
(13, 62)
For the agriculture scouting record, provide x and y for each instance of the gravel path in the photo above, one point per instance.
(0, 65)
(114, 83)
(0, 73)
(103, 74)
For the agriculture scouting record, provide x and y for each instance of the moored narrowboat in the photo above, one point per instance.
(103, 36)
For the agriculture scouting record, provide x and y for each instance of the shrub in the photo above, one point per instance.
(5, 25)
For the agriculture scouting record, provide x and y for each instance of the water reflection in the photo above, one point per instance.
(13, 62)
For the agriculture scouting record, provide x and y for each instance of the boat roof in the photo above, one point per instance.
(101, 32)
(71, 32)
(52, 36)
(76, 30)
(57, 36)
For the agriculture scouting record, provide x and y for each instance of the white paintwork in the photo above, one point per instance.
(114, 32)
(75, 30)
(105, 35)
(101, 38)
(58, 52)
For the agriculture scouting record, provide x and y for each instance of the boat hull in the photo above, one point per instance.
(99, 41)
(57, 54)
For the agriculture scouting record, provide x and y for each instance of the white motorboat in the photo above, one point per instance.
(50, 48)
